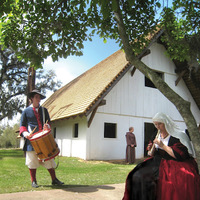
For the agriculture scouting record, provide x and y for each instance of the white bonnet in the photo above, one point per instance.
(174, 131)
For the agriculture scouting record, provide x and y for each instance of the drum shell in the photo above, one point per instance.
(44, 145)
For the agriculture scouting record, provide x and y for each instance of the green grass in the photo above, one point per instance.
(74, 172)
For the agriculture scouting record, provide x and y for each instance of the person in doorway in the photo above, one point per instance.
(31, 122)
(131, 144)
(171, 172)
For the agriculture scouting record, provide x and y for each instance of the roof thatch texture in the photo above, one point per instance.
(78, 96)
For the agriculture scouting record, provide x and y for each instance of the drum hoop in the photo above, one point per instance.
(49, 158)
(32, 139)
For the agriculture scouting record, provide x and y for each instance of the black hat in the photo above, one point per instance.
(31, 94)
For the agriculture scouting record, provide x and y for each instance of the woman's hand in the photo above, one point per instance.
(149, 146)
(158, 142)
(164, 147)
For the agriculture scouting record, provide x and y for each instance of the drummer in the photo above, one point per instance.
(36, 118)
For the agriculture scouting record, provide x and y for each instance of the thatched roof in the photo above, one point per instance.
(82, 94)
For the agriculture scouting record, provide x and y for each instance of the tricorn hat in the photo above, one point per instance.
(31, 94)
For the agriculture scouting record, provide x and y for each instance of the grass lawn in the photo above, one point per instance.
(74, 172)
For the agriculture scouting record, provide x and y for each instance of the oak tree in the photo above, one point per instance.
(13, 83)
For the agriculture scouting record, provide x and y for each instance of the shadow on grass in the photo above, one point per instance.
(11, 153)
(123, 162)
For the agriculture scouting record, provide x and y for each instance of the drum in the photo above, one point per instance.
(44, 145)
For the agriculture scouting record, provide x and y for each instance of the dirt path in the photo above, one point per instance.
(103, 192)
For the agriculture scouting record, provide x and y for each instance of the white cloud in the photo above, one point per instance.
(66, 69)
(61, 68)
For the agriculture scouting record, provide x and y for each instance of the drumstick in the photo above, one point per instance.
(46, 124)
(32, 131)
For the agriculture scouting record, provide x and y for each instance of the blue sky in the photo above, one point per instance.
(73, 66)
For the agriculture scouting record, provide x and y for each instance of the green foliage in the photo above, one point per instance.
(181, 23)
(8, 136)
(43, 28)
(72, 171)
(138, 17)
(174, 37)
(188, 10)
(13, 83)
(56, 28)
(5, 6)
(38, 29)
(13, 80)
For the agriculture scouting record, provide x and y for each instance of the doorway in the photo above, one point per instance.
(149, 134)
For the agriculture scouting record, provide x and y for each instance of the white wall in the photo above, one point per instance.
(114, 148)
(131, 97)
(70, 146)
(130, 103)
(157, 60)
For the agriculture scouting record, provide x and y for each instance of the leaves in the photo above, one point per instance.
(8, 136)
(45, 28)
(38, 29)
(181, 33)
(13, 83)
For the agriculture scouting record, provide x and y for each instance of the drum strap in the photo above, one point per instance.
(43, 115)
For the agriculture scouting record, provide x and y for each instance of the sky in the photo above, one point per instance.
(94, 52)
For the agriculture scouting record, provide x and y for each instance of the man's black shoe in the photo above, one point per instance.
(57, 182)
(34, 184)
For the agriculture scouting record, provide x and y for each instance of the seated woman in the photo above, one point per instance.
(171, 172)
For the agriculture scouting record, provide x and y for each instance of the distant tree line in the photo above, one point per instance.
(14, 83)
(8, 136)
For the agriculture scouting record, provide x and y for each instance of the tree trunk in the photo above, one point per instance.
(31, 83)
(182, 106)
